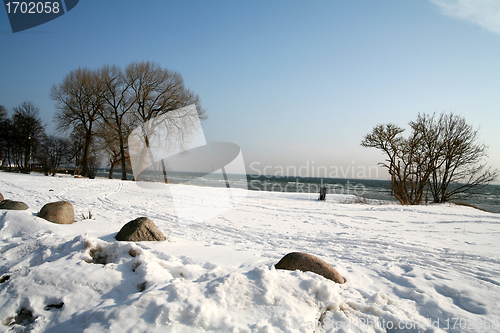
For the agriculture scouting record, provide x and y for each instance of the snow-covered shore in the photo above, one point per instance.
(422, 269)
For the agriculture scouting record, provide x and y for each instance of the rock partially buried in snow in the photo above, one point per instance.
(309, 263)
(1, 197)
(60, 212)
(13, 205)
(139, 230)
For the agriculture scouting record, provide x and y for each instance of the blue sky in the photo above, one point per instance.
(293, 83)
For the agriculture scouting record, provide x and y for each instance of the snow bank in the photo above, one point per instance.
(412, 269)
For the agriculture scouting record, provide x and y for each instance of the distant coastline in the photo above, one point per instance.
(487, 198)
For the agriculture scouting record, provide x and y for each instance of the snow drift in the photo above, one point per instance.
(413, 269)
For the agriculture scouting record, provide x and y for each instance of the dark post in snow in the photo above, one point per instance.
(322, 193)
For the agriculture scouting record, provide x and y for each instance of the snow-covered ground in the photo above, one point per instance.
(408, 269)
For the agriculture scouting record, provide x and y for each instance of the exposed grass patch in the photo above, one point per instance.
(88, 217)
(356, 200)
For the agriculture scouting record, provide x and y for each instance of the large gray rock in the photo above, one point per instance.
(60, 212)
(138, 230)
(308, 263)
(13, 205)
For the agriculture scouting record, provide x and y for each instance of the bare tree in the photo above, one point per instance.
(28, 131)
(54, 152)
(402, 163)
(156, 92)
(437, 153)
(119, 101)
(79, 101)
(112, 102)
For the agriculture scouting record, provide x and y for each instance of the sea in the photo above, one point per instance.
(486, 197)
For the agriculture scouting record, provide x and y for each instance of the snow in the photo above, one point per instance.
(429, 268)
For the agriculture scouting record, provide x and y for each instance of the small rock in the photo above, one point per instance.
(142, 286)
(60, 212)
(54, 306)
(1, 197)
(23, 317)
(13, 205)
(309, 263)
(138, 230)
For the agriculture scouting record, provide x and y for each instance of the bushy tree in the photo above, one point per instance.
(54, 152)
(462, 160)
(439, 151)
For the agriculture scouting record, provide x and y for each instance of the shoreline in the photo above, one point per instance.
(338, 186)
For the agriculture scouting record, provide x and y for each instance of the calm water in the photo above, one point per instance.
(487, 198)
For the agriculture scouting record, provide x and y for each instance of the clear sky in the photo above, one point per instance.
(293, 83)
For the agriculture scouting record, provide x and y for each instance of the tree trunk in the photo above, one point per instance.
(27, 154)
(122, 155)
(111, 169)
(85, 158)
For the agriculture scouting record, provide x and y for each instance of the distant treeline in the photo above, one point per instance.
(25, 146)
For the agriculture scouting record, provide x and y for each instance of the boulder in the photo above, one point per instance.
(139, 230)
(60, 212)
(308, 263)
(13, 205)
